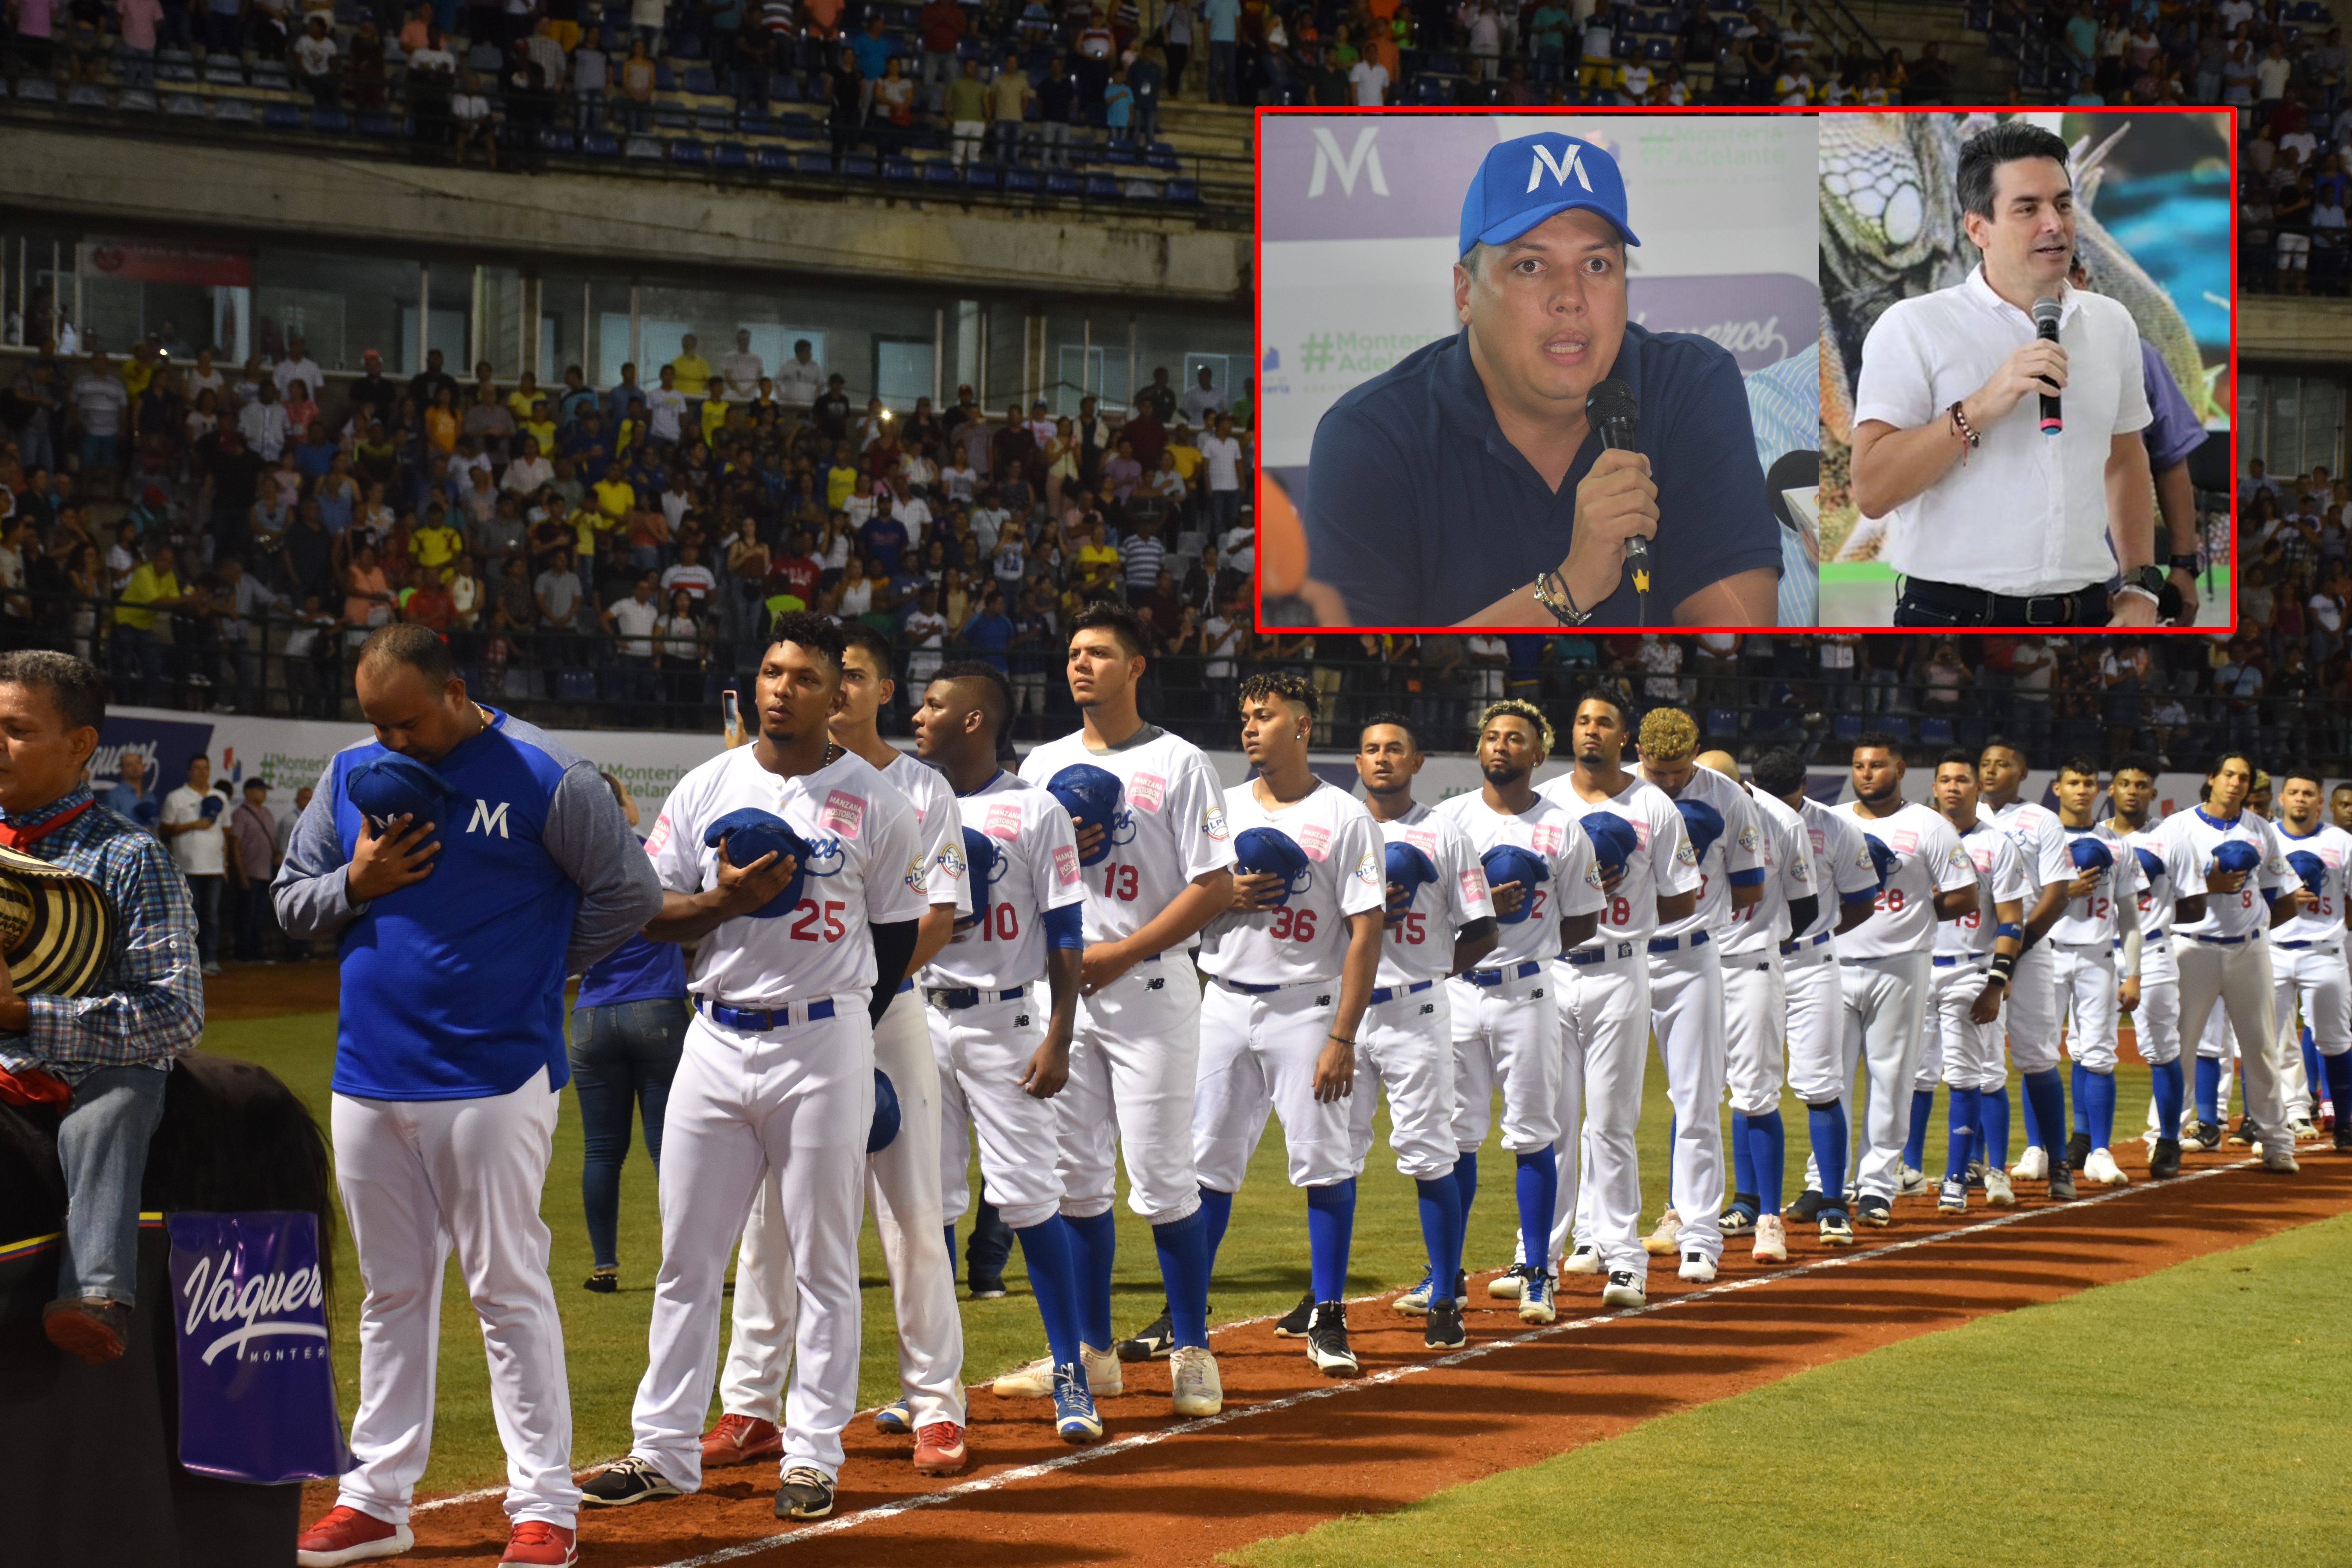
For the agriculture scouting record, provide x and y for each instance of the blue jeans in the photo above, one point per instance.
(623, 1056)
(1223, 88)
(205, 891)
(102, 1144)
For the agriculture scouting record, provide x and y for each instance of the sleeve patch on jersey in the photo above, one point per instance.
(916, 868)
(1213, 822)
(1473, 887)
(1316, 840)
(1983, 858)
(1593, 877)
(1547, 837)
(1370, 869)
(1684, 853)
(1066, 864)
(952, 861)
(1641, 834)
(1903, 840)
(844, 814)
(659, 837)
(1750, 838)
(1147, 790)
(1422, 838)
(1005, 822)
(1820, 841)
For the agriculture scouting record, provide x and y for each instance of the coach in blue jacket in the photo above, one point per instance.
(497, 864)
(1453, 486)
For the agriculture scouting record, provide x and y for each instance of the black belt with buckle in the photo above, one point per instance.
(1975, 607)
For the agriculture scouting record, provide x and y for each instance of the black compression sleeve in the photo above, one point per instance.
(893, 945)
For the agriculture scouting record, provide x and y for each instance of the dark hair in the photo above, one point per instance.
(73, 686)
(1290, 687)
(1956, 754)
(857, 634)
(2214, 767)
(997, 703)
(2079, 763)
(2303, 771)
(419, 648)
(1391, 721)
(1878, 740)
(2006, 744)
(1600, 691)
(2136, 762)
(812, 632)
(1117, 619)
(2005, 143)
(1779, 772)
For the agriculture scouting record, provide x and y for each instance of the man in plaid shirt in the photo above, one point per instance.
(100, 1057)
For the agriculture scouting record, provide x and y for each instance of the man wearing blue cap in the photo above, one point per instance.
(2172, 888)
(1491, 425)
(2308, 953)
(2098, 925)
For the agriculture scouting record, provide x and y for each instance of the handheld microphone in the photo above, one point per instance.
(1612, 410)
(2045, 326)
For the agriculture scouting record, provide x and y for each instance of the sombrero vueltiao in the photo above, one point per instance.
(55, 928)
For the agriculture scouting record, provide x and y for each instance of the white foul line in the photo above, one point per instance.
(1333, 1390)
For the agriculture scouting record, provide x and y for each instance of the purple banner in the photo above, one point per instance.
(1761, 317)
(1368, 176)
(257, 1384)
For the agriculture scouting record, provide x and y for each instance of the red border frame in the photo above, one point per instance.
(1257, 344)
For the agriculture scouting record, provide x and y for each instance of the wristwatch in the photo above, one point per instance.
(2147, 581)
(2182, 562)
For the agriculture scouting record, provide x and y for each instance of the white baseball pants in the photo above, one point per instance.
(1686, 1006)
(1257, 1054)
(784, 1108)
(2031, 1010)
(419, 1179)
(1407, 1044)
(1604, 1014)
(2086, 994)
(1134, 1061)
(1818, 1070)
(1506, 1036)
(2310, 980)
(1755, 1013)
(902, 1187)
(983, 1052)
(1968, 1053)
(1885, 1008)
(2238, 977)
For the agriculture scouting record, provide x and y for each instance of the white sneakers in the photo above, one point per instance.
(2101, 1170)
(2034, 1166)
(1998, 1193)
(1585, 1259)
(1697, 1268)
(1105, 1377)
(1666, 1240)
(1771, 1240)
(1192, 1371)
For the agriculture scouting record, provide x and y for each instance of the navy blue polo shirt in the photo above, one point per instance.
(1420, 512)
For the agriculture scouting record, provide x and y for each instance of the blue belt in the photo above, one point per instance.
(957, 1000)
(2222, 940)
(1696, 939)
(1491, 977)
(2298, 946)
(777, 1018)
(905, 985)
(1801, 943)
(1605, 952)
(1958, 958)
(1391, 993)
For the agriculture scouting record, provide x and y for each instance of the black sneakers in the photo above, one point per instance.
(1807, 1208)
(624, 1482)
(2078, 1150)
(1295, 1323)
(1442, 1330)
(2164, 1160)
(2202, 1136)
(805, 1494)
(1158, 1338)
(2062, 1182)
(1327, 1341)
(1875, 1210)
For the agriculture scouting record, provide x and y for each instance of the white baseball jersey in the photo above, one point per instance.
(2244, 912)
(1736, 859)
(866, 864)
(1787, 853)
(1420, 946)
(1662, 864)
(2040, 842)
(2182, 878)
(1841, 864)
(942, 827)
(1929, 860)
(2321, 923)
(2095, 916)
(2000, 876)
(1306, 937)
(1032, 867)
(1170, 825)
(1573, 881)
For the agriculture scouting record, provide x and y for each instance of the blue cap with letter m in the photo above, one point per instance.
(1530, 178)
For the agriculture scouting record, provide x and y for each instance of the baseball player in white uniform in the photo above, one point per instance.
(1973, 959)
(2096, 928)
(1818, 1073)
(2031, 1008)
(1886, 962)
(1002, 1040)
(2307, 950)
(1755, 1009)
(2172, 888)
(2225, 956)
(795, 958)
(1291, 967)
(1604, 1005)
(1440, 922)
(901, 1181)
(1688, 984)
(1155, 860)
(1540, 873)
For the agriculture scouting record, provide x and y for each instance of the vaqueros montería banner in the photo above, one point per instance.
(257, 1384)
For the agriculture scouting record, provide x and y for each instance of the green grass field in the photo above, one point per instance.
(2192, 1415)
(1262, 1270)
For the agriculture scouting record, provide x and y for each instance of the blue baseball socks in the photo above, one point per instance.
(1050, 1250)
(1826, 1126)
(1914, 1147)
(1962, 1133)
(1331, 1229)
(1441, 1233)
(1538, 1182)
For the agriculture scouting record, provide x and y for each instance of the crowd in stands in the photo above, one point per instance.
(618, 545)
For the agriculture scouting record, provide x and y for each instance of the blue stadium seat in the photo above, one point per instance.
(280, 117)
(227, 110)
(1722, 722)
(1625, 46)
(1102, 188)
(938, 172)
(755, 122)
(1166, 163)
(376, 123)
(576, 685)
(1848, 727)
(690, 152)
(1972, 732)
(856, 167)
(665, 80)
(1442, 65)
(1895, 725)
(555, 141)
(673, 119)
(730, 155)
(1935, 732)
(601, 145)
(783, 87)
(980, 178)
(1019, 182)
(1662, 51)
(773, 161)
(1183, 190)
(700, 79)
(185, 106)
(1060, 183)
(902, 170)
(813, 162)
(714, 121)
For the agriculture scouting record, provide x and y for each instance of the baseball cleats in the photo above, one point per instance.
(2034, 1166)
(2061, 1184)
(1584, 1259)
(1507, 1286)
(740, 1439)
(894, 1419)
(1074, 1406)
(2101, 1170)
(1836, 1229)
(2303, 1130)
(1697, 1268)
(346, 1535)
(1739, 1219)
(1771, 1240)
(2279, 1158)
(1666, 1240)
(2164, 1160)
(1874, 1210)
(1910, 1183)
(1624, 1290)
(1194, 1386)
(2078, 1152)
(1105, 1377)
(2343, 1138)
(2243, 1135)
(1952, 1197)
(1807, 1208)
(1414, 1302)
(1535, 1301)
(940, 1449)
(1158, 1338)
(805, 1494)
(1297, 1322)
(1327, 1341)
(1442, 1329)
(535, 1544)
(1976, 1175)
(626, 1480)
(1998, 1193)
(2204, 1137)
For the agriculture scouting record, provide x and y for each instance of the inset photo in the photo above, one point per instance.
(1528, 371)
(2026, 358)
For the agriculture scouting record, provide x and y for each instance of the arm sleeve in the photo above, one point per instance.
(589, 841)
(1363, 519)
(1362, 865)
(1713, 522)
(1196, 807)
(310, 893)
(894, 945)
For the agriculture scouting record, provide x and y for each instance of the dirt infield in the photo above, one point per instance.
(273, 990)
(1293, 1448)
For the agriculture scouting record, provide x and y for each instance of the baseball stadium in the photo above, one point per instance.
(675, 890)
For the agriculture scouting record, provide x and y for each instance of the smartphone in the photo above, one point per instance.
(730, 717)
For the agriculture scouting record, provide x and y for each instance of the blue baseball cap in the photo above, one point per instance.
(1530, 178)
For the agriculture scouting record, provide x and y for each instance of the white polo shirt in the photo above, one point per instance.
(2026, 513)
